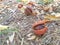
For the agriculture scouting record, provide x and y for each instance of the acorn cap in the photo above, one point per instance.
(40, 22)
(41, 31)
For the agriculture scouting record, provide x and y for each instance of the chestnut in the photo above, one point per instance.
(39, 27)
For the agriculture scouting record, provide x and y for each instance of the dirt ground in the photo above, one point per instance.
(24, 25)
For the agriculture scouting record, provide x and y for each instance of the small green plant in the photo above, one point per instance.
(8, 30)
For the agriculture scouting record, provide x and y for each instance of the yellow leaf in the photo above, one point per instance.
(3, 27)
(24, 0)
(52, 17)
(45, 0)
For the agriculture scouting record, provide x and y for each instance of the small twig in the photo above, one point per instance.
(22, 41)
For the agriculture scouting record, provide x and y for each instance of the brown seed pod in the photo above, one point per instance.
(39, 27)
(1, 0)
(46, 9)
(31, 3)
(20, 5)
(28, 11)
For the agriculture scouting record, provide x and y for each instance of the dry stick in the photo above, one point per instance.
(25, 42)
(3, 42)
(4, 39)
(22, 41)
(38, 17)
(19, 35)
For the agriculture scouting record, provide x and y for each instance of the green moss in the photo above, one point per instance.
(8, 31)
(42, 2)
(18, 0)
